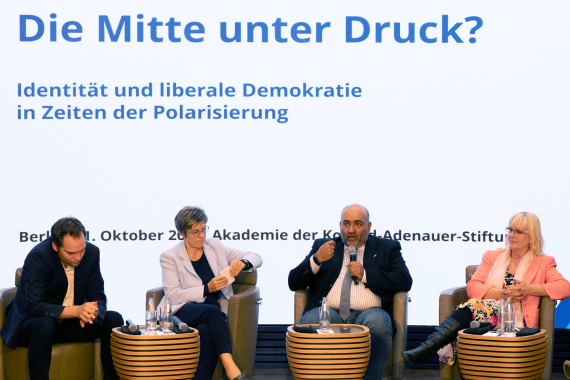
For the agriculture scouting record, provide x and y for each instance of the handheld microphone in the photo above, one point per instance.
(474, 324)
(352, 253)
(132, 327)
(181, 325)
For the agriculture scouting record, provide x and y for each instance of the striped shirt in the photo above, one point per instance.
(361, 298)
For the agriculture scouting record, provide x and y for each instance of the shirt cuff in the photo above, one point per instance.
(364, 276)
(314, 267)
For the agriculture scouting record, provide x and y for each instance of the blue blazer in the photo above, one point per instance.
(181, 282)
(386, 272)
(43, 286)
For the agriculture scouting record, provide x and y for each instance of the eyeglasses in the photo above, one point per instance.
(199, 232)
(510, 231)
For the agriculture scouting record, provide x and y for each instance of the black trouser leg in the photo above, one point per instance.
(208, 357)
(211, 323)
(71, 331)
(37, 334)
(195, 313)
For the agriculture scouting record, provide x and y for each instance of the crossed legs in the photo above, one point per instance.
(215, 342)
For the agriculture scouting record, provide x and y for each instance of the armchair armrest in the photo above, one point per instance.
(243, 316)
(155, 293)
(546, 322)
(301, 298)
(400, 315)
(6, 296)
(449, 299)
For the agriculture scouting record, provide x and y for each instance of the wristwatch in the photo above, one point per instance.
(247, 264)
(316, 260)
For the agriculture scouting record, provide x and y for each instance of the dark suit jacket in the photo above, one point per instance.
(386, 272)
(43, 286)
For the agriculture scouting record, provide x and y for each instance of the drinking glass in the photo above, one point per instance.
(509, 318)
(324, 315)
(151, 318)
(166, 321)
(501, 318)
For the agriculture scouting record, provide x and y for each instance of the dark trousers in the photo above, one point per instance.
(39, 333)
(211, 323)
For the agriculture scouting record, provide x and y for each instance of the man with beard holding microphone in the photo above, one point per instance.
(359, 291)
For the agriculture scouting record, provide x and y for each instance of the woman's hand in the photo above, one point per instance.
(518, 290)
(521, 289)
(236, 267)
(514, 292)
(217, 283)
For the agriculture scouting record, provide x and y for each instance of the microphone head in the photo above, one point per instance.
(474, 324)
(181, 325)
(131, 326)
(351, 250)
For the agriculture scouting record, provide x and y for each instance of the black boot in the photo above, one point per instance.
(443, 335)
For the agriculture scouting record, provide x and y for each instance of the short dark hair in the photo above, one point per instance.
(66, 226)
(187, 217)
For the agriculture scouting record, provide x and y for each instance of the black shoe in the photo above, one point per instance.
(241, 376)
(443, 335)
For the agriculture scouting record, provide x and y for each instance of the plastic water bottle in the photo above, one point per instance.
(509, 319)
(501, 318)
(325, 315)
(151, 326)
(167, 317)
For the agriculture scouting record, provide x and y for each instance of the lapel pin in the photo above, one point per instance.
(374, 256)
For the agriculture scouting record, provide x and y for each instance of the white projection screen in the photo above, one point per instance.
(437, 134)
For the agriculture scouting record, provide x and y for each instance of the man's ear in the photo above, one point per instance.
(54, 246)
(369, 226)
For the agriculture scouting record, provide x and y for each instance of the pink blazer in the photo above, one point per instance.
(542, 271)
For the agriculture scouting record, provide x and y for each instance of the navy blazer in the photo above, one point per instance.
(386, 272)
(43, 286)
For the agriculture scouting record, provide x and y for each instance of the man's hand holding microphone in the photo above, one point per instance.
(326, 252)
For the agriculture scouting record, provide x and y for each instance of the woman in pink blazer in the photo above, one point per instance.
(520, 271)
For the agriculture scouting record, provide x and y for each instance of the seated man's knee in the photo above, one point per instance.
(43, 328)
(310, 317)
(379, 322)
(113, 319)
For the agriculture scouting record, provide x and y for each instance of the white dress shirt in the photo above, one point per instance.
(70, 295)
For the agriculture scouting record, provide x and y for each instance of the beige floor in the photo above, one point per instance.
(285, 374)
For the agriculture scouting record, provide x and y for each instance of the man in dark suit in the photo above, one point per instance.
(60, 299)
(381, 272)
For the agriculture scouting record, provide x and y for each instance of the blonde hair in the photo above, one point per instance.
(529, 222)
